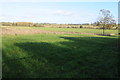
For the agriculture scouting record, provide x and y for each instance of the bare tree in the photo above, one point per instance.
(106, 19)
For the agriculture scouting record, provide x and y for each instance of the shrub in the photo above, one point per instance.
(81, 26)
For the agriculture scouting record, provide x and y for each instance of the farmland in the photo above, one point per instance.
(50, 29)
(39, 52)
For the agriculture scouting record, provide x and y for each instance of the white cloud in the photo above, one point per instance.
(62, 12)
(9, 18)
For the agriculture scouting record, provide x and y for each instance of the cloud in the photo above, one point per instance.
(9, 18)
(62, 12)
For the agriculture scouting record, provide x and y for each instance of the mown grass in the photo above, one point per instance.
(82, 30)
(59, 56)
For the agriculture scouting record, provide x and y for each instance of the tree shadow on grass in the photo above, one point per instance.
(87, 57)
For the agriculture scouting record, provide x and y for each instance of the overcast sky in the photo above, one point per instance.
(54, 12)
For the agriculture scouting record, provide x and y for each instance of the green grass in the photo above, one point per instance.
(82, 30)
(59, 56)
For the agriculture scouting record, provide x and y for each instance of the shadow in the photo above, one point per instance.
(80, 57)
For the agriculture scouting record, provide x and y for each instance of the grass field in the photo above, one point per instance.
(99, 31)
(60, 55)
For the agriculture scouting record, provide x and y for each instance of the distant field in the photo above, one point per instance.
(99, 31)
(59, 55)
(84, 30)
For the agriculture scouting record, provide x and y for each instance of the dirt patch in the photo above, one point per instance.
(14, 31)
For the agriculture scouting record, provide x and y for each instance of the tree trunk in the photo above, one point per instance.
(103, 29)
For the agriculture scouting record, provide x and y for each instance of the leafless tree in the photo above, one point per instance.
(106, 19)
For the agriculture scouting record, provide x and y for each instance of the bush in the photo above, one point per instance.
(81, 26)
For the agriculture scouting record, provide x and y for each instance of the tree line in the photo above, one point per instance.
(21, 24)
(30, 24)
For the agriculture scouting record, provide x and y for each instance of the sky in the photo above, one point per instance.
(61, 12)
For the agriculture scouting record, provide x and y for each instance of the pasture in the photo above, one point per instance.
(83, 30)
(66, 55)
